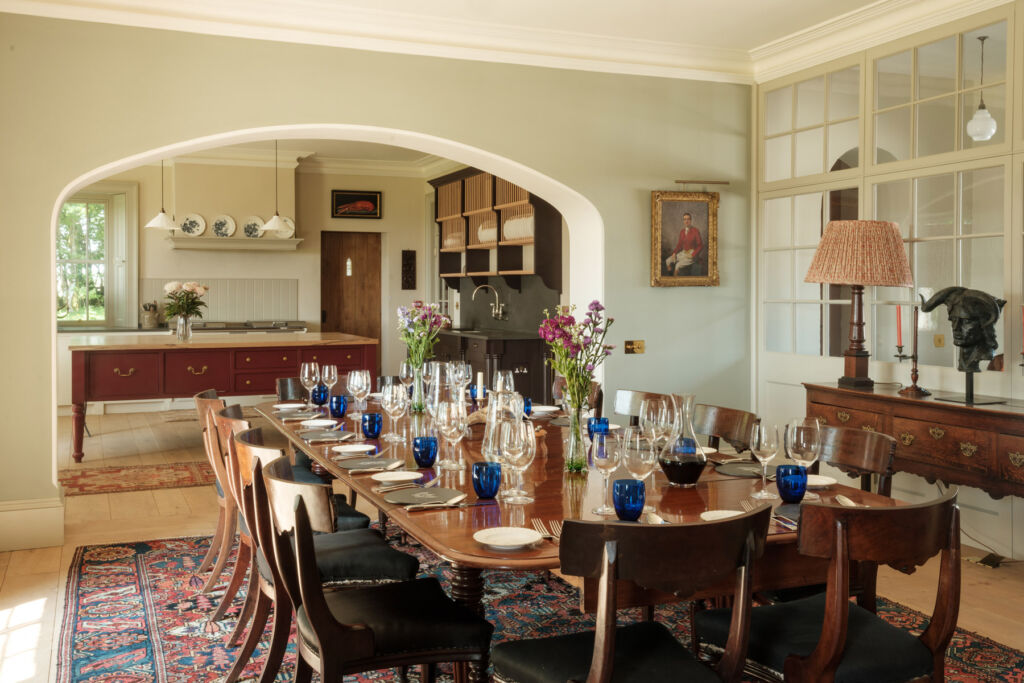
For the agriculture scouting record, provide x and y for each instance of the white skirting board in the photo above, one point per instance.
(34, 523)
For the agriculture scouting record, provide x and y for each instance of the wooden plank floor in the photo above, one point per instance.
(32, 581)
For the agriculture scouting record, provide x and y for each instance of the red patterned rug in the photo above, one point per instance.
(87, 480)
(134, 614)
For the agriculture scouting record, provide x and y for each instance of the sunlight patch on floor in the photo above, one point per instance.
(20, 633)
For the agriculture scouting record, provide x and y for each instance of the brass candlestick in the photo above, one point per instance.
(913, 390)
(899, 355)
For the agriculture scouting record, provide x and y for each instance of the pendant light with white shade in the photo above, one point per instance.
(276, 224)
(982, 126)
(162, 221)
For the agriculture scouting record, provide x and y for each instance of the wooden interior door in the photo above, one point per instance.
(350, 283)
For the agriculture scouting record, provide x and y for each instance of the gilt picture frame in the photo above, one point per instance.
(684, 239)
(355, 204)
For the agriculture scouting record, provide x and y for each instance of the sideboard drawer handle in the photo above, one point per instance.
(349, 356)
(868, 428)
(248, 359)
(906, 438)
(937, 432)
(284, 357)
(248, 381)
(197, 372)
(823, 420)
(968, 448)
(1016, 459)
(843, 416)
(117, 371)
(314, 358)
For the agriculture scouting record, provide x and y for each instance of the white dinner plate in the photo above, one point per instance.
(507, 537)
(223, 225)
(545, 409)
(714, 515)
(397, 476)
(377, 395)
(289, 406)
(611, 426)
(192, 225)
(818, 481)
(708, 450)
(320, 422)
(252, 227)
(354, 448)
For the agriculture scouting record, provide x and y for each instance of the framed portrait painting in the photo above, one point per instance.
(684, 239)
(355, 204)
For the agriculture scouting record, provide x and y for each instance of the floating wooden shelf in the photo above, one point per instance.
(235, 244)
(483, 273)
(482, 245)
(516, 272)
(448, 218)
(509, 205)
(453, 250)
(452, 275)
(477, 211)
(516, 242)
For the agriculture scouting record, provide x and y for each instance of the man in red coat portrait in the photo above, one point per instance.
(685, 259)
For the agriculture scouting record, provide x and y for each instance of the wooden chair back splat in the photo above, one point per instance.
(282, 491)
(250, 449)
(729, 424)
(861, 453)
(290, 389)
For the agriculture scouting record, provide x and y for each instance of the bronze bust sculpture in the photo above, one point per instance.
(973, 315)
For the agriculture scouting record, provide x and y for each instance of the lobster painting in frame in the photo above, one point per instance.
(355, 204)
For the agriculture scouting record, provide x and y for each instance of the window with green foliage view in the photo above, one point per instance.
(82, 260)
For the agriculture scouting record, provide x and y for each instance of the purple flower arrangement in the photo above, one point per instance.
(418, 327)
(577, 346)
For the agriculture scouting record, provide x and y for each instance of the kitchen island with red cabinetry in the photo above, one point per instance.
(127, 367)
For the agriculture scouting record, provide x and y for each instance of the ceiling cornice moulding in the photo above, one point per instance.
(417, 168)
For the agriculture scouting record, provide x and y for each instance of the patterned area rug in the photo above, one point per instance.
(133, 614)
(86, 480)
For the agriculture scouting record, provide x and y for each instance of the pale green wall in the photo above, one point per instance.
(77, 95)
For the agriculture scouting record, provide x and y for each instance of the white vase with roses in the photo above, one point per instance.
(184, 302)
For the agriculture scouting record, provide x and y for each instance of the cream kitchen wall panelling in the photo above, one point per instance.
(237, 299)
(608, 139)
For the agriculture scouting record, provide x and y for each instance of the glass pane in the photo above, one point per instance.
(894, 202)
(810, 102)
(807, 226)
(778, 114)
(995, 55)
(65, 286)
(96, 309)
(842, 145)
(934, 330)
(837, 326)
(935, 201)
(995, 103)
(70, 216)
(936, 68)
(778, 274)
(778, 327)
(801, 263)
(778, 220)
(808, 329)
(883, 341)
(810, 152)
(844, 93)
(843, 205)
(934, 266)
(778, 158)
(981, 260)
(936, 126)
(981, 201)
(97, 230)
(77, 283)
(892, 136)
(892, 80)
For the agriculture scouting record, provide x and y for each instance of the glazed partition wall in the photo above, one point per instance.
(883, 134)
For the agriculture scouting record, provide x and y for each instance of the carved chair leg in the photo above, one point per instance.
(259, 621)
(227, 541)
(241, 569)
(303, 671)
(252, 592)
(214, 542)
(427, 673)
(278, 640)
(648, 612)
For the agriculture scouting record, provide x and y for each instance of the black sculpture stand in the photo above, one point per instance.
(968, 397)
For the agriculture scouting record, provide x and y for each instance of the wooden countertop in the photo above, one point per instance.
(206, 340)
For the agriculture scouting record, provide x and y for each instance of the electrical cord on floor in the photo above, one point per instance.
(985, 546)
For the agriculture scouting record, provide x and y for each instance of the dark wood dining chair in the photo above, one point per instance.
(290, 389)
(676, 559)
(376, 627)
(728, 424)
(224, 535)
(595, 399)
(827, 637)
(860, 453)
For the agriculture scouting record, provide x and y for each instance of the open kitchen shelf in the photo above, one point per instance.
(235, 244)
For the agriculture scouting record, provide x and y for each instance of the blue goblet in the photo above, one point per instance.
(628, 496)
(320, 394)
(597, 425)
(372, 424)
(527, 405)
(339, 404)
(486, 479)
(791, 480)
(424, 450)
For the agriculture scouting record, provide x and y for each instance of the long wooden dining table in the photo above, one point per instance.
(448, 532)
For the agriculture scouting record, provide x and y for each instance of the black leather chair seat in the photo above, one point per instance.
(645, 652)
(347, 517)
(876, 652)
(359, 555)
(303, 474)
(407, 617)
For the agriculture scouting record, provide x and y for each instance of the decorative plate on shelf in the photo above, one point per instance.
(223, 226)
(287, 234)
(193, 224)
(253, 227)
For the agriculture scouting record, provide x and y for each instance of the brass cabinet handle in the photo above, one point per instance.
(906, 438)
(868, 428)
(248, 359)
(196, 372)
(968, 448)
(314, 358)
(1016, 459)
(349, 357)
(248, 381)
(823, 420)
(937, 432)
(284, 357)
(117, 371)
(843, 416)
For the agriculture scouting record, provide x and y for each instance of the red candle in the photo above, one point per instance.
(899, 326)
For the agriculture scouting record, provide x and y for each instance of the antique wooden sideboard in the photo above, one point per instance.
(128, 367)
(978, 446)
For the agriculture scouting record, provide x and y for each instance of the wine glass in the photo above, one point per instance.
(654, 419)
(764, 444)
(395, 401)
(803, 442)
(518, 446)
(329, 377)
(451, 421)
(406, 373)
(358, 383)
(639, 458)
(503, 381)
(606, 459)
(309, 375)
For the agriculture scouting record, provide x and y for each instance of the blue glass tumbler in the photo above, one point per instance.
(486, 479)
(424, 450)
(372, 424)
(791, 480)
(628, 497)
(597, 425)
(339, 404)
(320, 394)
(473, 391)
(527, 405)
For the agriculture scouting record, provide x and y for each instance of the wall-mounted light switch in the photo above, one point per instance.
(635, 346)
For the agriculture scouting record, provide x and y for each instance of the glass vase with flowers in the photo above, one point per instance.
(184, 302)
(418, 327)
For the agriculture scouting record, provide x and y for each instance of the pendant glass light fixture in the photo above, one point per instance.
(982, 126)
(275, 224)
(162, 221)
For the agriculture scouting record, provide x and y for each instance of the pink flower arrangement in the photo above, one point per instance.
(418, 327)
(183, 298)
(577, 347)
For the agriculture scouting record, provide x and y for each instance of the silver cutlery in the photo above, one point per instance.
(556, 528)
(408, 485)
(451, 502)
(392, 466)
(538, 525)
(785, 522)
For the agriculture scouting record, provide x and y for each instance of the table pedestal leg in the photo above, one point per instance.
(468, 589)
(77, 430)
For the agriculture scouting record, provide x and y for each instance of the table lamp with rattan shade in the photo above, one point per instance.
(859, 254)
